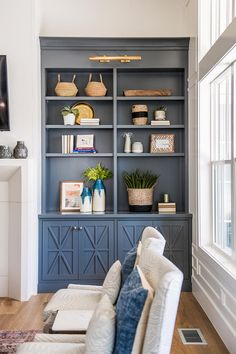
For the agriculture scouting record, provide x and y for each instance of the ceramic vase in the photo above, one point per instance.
(20, 151)
(5, 152)
(69, 119)
(99, 196)
(127, 146)
(86, 201)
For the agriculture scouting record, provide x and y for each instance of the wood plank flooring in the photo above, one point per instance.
(15, 315)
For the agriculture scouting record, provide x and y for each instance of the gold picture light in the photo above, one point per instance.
(121, 58)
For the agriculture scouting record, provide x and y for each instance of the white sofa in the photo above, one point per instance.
(165, 278)
(86, 297)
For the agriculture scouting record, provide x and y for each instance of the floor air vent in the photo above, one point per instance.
(191, 336)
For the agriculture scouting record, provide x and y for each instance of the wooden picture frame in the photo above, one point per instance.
(70, 192)
(85, 141)
(162, 143)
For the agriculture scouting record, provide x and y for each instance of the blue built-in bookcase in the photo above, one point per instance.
(80, 248)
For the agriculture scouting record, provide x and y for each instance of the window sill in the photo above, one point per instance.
(224, 261)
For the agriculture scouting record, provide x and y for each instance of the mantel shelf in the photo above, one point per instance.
(78, 98)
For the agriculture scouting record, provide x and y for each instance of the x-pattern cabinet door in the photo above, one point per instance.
(129, 232)
(59, 250)
(177, 243)
(96, 248)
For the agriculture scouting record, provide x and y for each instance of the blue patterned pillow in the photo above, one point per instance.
(128, 312)
(128, 264)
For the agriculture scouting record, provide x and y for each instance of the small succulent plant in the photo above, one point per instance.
(161, 108)
(68, 110)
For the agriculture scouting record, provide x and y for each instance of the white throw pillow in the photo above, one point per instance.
(142, 325)
(111, 284)
(100, 335)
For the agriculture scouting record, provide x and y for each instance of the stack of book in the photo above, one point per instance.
(160, 122)
(85, 150)
(87, 121)
(67, 144)
(167, 208)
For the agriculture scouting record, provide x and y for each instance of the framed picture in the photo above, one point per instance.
(70, 195)
(85, 141)
(162, 143)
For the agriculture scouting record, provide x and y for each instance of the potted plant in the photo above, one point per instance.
(98, 174)
(160, 113)
(140, 186)
(69, 115)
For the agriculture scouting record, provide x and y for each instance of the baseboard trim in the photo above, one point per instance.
(221, 325)
(3, 285)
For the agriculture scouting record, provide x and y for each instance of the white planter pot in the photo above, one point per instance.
(69, 119)
(160, 115)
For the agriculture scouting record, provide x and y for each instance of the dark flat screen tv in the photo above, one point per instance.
(4, 110)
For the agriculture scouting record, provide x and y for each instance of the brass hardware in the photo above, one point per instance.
(121, 58)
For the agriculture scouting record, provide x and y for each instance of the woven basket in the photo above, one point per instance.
(140, 114)
(66, 89)
(142, 196)
(95, 88)
(140, 121)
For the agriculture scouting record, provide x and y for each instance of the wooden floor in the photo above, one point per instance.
(27, 315)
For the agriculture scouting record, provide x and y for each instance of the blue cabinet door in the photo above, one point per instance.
(129, 232)
(178, 243)
(59, 247)
(96, 248)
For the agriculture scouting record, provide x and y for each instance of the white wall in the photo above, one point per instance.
(19, 41)
(112, 18)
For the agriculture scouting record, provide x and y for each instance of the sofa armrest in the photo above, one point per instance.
(85, 287)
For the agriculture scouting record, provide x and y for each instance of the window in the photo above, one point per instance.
(215, 16)
(221, 170)
(218, 158)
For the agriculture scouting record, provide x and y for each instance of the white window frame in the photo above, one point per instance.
(210, 21)
(205, 197)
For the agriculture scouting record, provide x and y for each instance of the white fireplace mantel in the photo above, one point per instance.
(22, 227)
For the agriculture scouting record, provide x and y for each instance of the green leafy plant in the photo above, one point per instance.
(97, 172)
(140, 180)
(162, 108)
(67, 110)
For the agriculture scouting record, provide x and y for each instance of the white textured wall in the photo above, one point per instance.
(112, 18)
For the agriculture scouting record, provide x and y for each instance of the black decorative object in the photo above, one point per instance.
(20, 151)
(4, 111)
(5, 152)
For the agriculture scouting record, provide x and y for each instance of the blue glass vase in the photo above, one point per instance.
(99, 196)
(86, 201)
